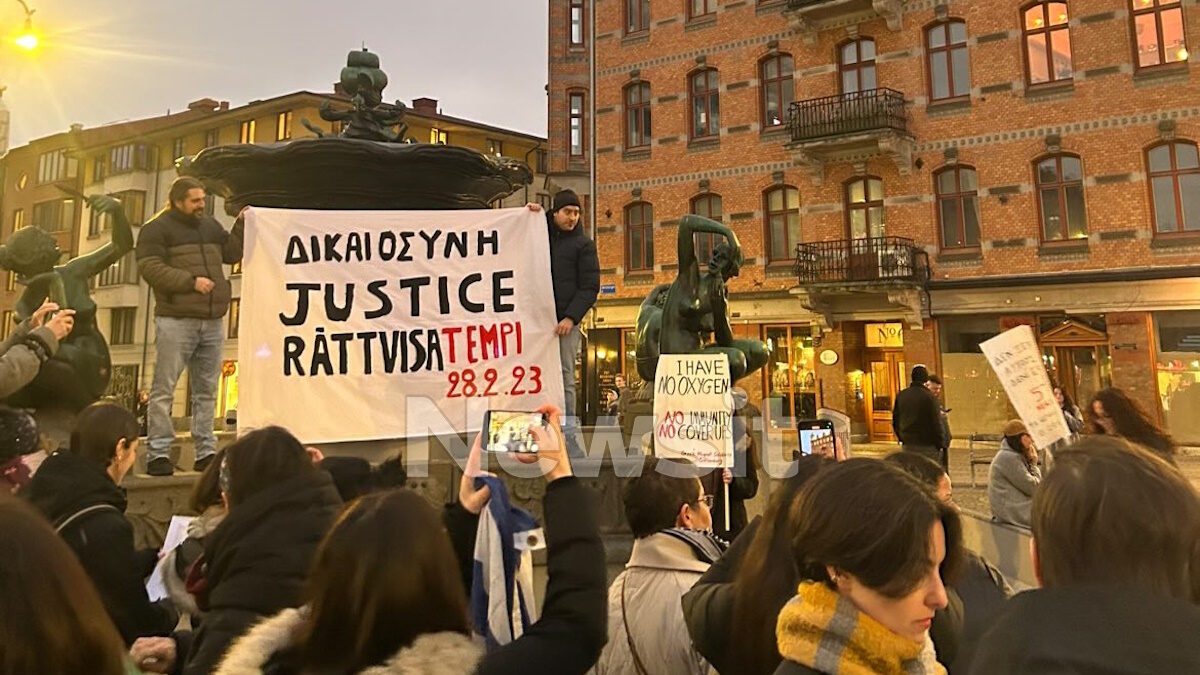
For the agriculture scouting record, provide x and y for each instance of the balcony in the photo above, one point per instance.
(850, 127)
(808, 17)
(863, 280)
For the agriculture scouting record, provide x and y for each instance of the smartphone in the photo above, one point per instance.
(508, 430)
(816, 437)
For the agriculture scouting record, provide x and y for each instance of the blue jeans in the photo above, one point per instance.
(194, 344)
(568, 349)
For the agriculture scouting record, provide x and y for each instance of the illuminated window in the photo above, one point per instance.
(438, 137)
(7, 323)
(495, 147)
(246, 135)
(18, 219)
(864, 208)
(283, 126)
(235, 316)
(1047, 43)
(1158, 32)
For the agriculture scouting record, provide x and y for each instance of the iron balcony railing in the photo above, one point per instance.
(870, 110)
(880, 259)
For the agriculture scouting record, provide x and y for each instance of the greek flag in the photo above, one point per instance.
(502, 601)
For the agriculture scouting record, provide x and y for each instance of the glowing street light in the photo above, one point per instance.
(28, 40)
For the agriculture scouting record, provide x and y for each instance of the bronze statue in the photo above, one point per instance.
(370, 119)
(78, 374)
(679, 317)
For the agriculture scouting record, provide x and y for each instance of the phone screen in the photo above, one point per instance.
(816, 437)
(508, 431)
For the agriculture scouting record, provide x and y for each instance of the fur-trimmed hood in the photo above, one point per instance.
(432, 654)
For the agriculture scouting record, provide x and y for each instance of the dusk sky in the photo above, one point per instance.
(118, 60)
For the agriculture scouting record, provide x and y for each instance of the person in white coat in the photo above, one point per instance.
(670, 518)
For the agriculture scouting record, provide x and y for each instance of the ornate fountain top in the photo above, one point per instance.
(370, 119)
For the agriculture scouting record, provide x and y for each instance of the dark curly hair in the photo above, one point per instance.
(29, 252)
(1130, 422)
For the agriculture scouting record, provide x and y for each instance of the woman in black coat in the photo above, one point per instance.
(78, 491)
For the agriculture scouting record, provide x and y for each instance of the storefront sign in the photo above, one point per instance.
(1017, 360)
(365, 325)
(608, 289)
(885, 335)
(693, 409)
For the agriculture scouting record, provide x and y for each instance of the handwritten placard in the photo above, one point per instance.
(1015, 357)
(693, 409)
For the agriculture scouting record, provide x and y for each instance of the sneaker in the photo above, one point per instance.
(160, 466)
(202, 464)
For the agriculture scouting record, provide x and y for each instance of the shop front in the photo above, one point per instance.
(1177, 373)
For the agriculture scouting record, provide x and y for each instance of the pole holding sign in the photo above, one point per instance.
(1015, 357)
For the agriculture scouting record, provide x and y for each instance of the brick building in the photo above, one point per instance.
(907, 178)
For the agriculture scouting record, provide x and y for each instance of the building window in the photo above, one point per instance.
(439, 136)
(1060, 198)
(57, 165)
(946, 47)
(246, 135)
(123, 321)
(1158, 32)
(576, 26)
(958, 206)
(637, 16)
(699, 9)
(133, 203)
(639, 232)
(132, 157)
(709, 206)
(56, 215)
(789, 380)
(178, 148)
(783, 222)
(283, 126)
(856, 63)
(212, 138)
(1175, 187)
(543, 161)
(1178, 361)
(10, 283)
(121, 273)
(98, 167)
(575, 115)
(778, 88)
(864, 208)
(637, 115)
(18, 219)
(9, 322)
(235, 317)
(495, 147)
(706, 103)
(1047, 43)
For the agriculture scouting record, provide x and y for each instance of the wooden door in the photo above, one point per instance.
(885, 377)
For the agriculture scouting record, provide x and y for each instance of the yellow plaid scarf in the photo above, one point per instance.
(820, 629)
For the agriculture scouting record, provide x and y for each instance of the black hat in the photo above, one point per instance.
(565, 198)
(18, 433)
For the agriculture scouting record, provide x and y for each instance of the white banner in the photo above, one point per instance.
(693, 409)
(1015, 357)
(365, 325)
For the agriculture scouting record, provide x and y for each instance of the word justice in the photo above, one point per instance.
(409, 296)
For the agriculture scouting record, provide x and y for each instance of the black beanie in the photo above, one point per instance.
(565, 198)
(18, 433)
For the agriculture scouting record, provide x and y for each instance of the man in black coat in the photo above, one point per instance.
(575, 269)
(917, 418)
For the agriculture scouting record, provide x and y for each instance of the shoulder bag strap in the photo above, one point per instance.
(637, 661)
(81, 513)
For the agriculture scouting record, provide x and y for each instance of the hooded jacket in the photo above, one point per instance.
(257, 561)
(64, 485)
(575, 269)
(173, 250)
(1091, 629)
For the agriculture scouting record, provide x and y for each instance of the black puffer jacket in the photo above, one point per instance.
(258, 559)
(173, 250)
(66, 484)
(575, 269)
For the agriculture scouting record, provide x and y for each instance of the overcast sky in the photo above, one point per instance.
(100, 62)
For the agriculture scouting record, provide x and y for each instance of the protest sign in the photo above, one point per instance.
(693, 409)
(365, 325)
(1015, 357)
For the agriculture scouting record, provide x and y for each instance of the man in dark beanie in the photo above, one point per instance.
(576, 272)
(917, 418)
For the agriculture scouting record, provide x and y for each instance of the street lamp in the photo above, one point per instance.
(28, 40)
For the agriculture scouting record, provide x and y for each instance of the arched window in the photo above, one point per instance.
(856, 65)
(864, 208)
(783, 222)
(946, 50)
(637, 115)
(1158, 33)
(639, 237)
(709, 206)
(778, 89)
(704, 91)
(1047, 40)
(1060, 197)
(637, 16)
(1174, 170)
(957, 189)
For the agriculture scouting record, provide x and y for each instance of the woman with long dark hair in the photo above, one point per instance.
(53, 622)
(731, 611)
(872, 546)
(1072, 415)
(1113, 413)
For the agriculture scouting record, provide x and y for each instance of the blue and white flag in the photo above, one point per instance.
(502, 600)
